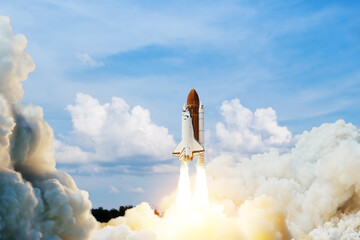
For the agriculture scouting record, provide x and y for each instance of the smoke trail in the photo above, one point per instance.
(36, 200)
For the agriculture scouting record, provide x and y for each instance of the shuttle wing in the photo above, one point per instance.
(177, 151)
(196, 146)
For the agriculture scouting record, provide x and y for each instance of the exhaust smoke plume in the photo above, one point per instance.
(36, 200)
(317, 183)
(311, 192)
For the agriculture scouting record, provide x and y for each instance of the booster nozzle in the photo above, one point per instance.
(201, 161)
(183, 164)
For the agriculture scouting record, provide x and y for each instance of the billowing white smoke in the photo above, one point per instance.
(36, 200)
(257, 219)
(318, 181)
(312, 192)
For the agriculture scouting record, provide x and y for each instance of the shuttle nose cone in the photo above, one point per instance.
(192, 99)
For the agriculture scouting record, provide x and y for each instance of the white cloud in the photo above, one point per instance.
(87, 60)
(165, 168)
(133, 189)
(113, 190)
(113, 131)
(246, 132)
(68, 154)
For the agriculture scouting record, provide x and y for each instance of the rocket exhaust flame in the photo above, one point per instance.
(183, 198)
(201, 198)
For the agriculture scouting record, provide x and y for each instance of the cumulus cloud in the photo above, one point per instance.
(36, 200)
(113, 131)
(69, 154)
(246, 132)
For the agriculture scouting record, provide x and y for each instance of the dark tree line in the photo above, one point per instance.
(104, 215)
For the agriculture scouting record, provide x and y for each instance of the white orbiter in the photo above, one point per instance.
(192, 143)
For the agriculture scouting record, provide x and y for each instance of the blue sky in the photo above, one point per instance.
(301, 58)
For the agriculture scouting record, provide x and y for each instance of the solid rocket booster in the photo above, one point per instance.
(192, 142)
(201, 135)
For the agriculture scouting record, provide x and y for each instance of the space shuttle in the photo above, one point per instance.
(192, 142)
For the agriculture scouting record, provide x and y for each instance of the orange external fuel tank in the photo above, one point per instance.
(193, 105)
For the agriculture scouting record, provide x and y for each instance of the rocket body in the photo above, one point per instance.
(192, 142)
